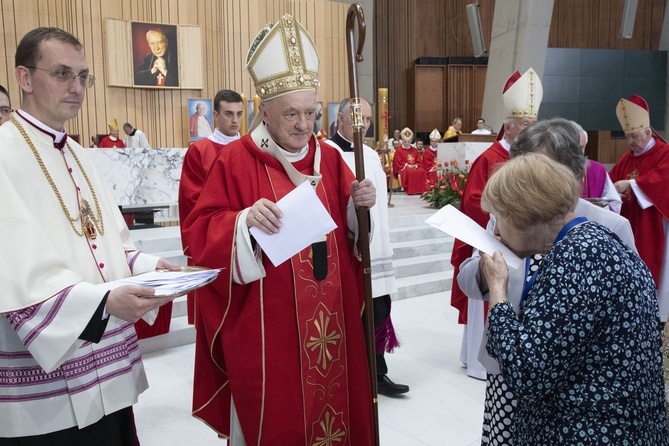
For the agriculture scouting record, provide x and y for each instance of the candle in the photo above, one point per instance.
(383, 116)
(256, 105)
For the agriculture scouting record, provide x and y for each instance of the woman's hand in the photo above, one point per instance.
(496, 273)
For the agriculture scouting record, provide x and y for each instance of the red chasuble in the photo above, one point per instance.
(288, 348)
(108, 143)
(482, 169)
(651, 170)
(199, 158)
(428, 163)
(414, 181)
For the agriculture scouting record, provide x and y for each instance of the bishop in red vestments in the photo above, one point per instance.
(522, 97)
(640, 175)
(429, 161)
(112, 141)
(280, 349)
(407, 166)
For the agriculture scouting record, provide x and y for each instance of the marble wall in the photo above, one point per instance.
(460, 151)
(140, 177)
(149, 177)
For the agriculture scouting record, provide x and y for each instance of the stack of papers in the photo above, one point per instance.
(172, 283)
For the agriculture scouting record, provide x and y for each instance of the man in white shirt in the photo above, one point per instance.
(480, 128)
(135, 138)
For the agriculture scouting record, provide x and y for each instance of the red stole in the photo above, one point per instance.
(322, 335)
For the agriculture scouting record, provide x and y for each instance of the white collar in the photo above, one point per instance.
(264, 141)
(650, 145)
(505, 144)
(219, 138)
(58, 136)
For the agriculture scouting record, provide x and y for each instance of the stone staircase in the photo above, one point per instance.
(421, 257)
(421, 253)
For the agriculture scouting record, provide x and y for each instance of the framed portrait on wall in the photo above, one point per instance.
(371, 131)
(199, 118)
(318, 122)
(154, 55)
(333, 124)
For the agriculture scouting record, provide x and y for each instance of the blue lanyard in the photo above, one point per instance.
(530, 283)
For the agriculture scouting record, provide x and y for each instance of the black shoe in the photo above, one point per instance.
(387, 387)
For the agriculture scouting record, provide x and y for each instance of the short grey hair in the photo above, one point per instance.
(531, 189)
(556, 138)
(580, 130)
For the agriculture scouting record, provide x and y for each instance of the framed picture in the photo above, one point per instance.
(371, 130)
(154, 55)
(199, 118)
(318, 122)
(333, 124)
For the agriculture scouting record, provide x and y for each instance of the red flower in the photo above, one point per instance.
(455, 184)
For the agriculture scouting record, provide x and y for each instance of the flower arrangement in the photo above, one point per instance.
(449, 185)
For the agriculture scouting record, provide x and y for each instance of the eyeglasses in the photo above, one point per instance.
(6, 111)
(67, 76)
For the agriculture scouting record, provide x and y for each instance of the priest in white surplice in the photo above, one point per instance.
(68, 357)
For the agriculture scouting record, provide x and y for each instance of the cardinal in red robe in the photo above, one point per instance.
(407, 166)
(640, 175)
(280, 349)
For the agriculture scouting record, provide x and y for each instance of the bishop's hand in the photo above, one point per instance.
(264, 215)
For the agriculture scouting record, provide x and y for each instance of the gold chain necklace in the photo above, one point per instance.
(89, 222)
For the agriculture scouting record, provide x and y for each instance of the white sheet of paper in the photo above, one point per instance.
(453, 222)
(305, 221)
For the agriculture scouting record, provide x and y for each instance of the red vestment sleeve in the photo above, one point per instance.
(651, 170)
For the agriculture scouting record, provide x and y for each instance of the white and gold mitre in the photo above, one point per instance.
(283, 59)
(435, 135)
(522, 98)
(407, 133)
(633, 114)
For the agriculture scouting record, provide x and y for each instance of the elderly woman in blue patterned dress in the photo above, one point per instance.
(583, 355)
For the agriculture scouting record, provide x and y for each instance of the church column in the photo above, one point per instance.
(518, 41)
